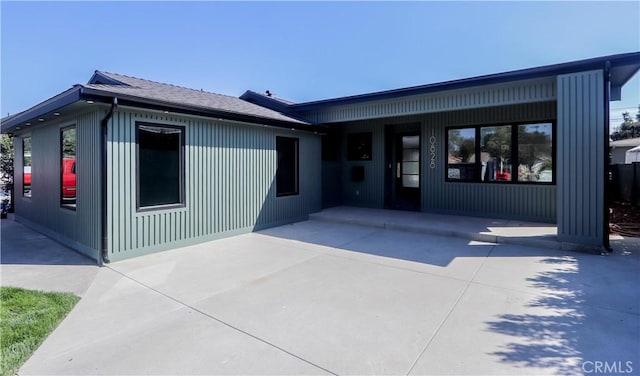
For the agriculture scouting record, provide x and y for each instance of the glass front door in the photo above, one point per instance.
(406, 194)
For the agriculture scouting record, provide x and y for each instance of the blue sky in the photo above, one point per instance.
(302, 51)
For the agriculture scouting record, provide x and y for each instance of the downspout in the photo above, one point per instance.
(605, 219)
(103, 186)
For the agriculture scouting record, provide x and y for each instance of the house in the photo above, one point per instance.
(620, 148)
(159, 166)
(632, 155)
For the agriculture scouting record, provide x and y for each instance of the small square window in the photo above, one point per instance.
(461, 150)
(359, 146)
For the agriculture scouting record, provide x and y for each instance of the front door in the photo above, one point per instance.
(403, 170)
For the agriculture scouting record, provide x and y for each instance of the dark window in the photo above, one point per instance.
(495, 153)
(330, 146)
(500, 149)
(359, 146)
(160, 165)
(461, 148)
(68, 168)
(287, 168)
(535, 152)
(26, 166)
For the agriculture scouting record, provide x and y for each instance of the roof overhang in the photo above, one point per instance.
(620, 75)
(40, 112)
(79, 93)
(621, 68)
(153, 104)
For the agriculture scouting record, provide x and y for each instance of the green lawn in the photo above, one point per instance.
(26, 318)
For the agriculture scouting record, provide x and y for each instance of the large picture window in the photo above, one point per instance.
(521, 153)
(68, 167)
(287, 168)
(160, 165)
(26, 166)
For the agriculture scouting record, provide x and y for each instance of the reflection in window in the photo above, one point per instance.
(26, 169)
(461, 150)
(68, 167)
(501, 149)
(411, 161)
(160, 165)
(287, 168)
(359, 146)
(535, 153)
(495, 156)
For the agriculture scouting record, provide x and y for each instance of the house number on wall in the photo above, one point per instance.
(432, 150)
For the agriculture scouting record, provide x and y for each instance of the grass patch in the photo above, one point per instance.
(26, 319)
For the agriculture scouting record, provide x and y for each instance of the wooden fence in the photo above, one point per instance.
(625, 183)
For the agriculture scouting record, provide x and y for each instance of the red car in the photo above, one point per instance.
(68, 179)
(503, 176)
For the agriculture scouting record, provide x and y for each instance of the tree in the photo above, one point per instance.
(535, 149)
(462, 144)
(497, 142)
(6, 160)
(69, 142)
(629, 128)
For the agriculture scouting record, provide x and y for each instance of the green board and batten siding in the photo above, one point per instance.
(521, 201)
(581, 155)
(229, 180)
(231, 167)
(521, 101)
(79, 229)
(525, 91)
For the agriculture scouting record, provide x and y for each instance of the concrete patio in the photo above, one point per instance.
(322, 297)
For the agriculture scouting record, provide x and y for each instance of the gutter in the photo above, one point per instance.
(605, 140)
(103, 187)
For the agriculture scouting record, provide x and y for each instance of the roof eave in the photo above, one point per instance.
(153, 104)
(65, 98)
(628, 59)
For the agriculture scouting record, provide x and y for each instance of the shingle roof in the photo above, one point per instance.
(133, 87)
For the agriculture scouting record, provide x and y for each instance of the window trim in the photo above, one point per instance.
(514, 152)
(296, 192)
(182, 203)
(61, 155)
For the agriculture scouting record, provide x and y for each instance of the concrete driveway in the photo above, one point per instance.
(321, 298)
(33, 261)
